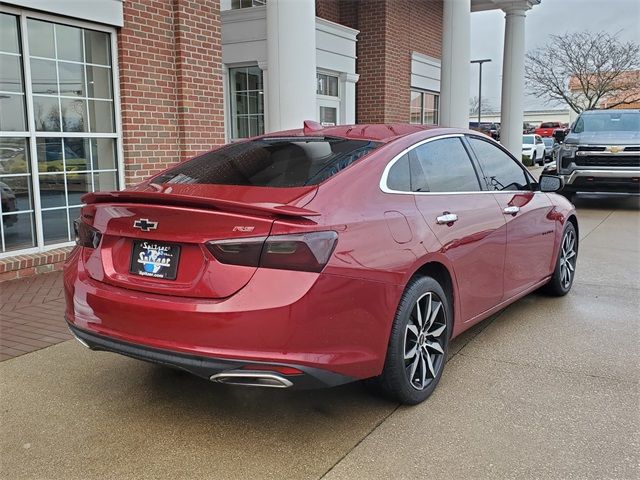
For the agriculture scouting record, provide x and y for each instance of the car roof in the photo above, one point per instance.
(379, 132)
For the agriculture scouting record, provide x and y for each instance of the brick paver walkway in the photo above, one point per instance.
(31, 314)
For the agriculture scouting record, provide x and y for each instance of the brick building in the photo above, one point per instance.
(98, 95)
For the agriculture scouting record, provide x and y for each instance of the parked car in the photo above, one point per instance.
(550, 147)
(488, 128)
(546, 129)
(602, 153)
(528, 128)
(550, 168)
(318, 257)
(533, 149)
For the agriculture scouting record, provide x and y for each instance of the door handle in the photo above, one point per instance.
(511, 210)
(446, 218)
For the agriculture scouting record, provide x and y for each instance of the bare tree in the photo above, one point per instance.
(584, 70)
(474, 104)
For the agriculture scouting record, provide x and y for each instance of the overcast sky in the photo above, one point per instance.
(548, 18)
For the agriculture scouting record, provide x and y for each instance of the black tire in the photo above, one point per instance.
(394, 382)
(560, 285)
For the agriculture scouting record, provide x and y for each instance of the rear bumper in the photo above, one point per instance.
(315, 322)
(207, 367)
(618, 180)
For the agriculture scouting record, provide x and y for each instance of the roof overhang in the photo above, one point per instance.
(482, 5)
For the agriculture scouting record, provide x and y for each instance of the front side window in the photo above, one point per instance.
(71, 121)
(443, 166)
(499, 170)
(247, 102)
(278, 162)
(424, 108)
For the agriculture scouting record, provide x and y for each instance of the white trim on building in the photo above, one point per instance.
(245, 41)
(107, 12)
(425, 72)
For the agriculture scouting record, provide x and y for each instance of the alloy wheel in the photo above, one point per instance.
(568, 257)
(424, 340)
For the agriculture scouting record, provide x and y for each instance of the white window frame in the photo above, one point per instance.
(226, 94)
(422, 93)
(31, 134)
(330, 101)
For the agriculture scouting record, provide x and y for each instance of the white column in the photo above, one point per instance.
(456, 55)
(348, 86)
(513, 80)
(291, 55)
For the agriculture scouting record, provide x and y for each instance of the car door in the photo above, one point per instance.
(528, 213)
(539, 147)
(467, 221)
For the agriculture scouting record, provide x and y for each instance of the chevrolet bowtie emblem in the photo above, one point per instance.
(145, 224)
(614, 149)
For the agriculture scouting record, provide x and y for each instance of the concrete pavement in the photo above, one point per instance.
(547, 389)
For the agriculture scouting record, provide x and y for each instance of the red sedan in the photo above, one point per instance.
(319, 256)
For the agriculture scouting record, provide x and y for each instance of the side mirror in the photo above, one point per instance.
(550, 183)
(559, 135)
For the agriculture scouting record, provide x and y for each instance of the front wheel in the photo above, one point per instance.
(418, 343)
(565, 269)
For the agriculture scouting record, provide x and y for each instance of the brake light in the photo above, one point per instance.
(307, 252)
(238, 252)
(86, 235)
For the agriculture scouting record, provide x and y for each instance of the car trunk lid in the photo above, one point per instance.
(154, 240)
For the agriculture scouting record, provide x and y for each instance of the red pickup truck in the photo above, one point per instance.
(546, 129)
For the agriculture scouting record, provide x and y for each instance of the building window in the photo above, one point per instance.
(66, 145)
(327, 85)
(237, 4)
(328, 116)
(247, 102)
(328, 98)
(425, 107)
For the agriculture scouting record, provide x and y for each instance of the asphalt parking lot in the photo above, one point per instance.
(549, 388)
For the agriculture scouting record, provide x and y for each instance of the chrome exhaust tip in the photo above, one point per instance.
(252, 379)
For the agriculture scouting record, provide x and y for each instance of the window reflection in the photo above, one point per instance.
(71, 81)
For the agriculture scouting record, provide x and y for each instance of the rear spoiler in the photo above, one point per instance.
(197, 202)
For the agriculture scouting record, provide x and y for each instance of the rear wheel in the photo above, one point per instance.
(565, 269)
(418, 343)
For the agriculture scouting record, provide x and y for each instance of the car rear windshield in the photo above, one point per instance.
(608, 122)
(271, 162)
(549, 125)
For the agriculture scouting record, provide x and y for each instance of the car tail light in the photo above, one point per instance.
(86, 235)
(307, 252)
(244, 252)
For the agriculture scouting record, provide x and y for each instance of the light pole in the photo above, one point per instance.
(480, 62)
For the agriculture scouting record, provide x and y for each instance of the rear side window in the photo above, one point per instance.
(399, 178)
(444, 166)
(278, 162)
(499, 170)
